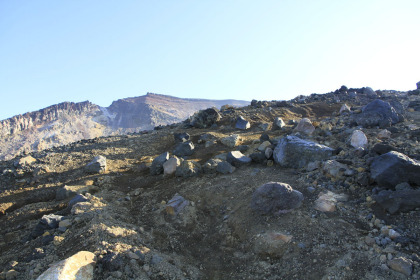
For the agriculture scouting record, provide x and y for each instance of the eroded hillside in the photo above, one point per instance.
(197, 220)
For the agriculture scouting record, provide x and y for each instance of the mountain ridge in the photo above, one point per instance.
(68, 122)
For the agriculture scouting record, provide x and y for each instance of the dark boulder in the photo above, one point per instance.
(390, 169)
(205, 118)
(225, 167)
(275, 197)
(291, 151)
(184, 149)
(181, 137)
(157, 165)
(399, 200)
(377, 113)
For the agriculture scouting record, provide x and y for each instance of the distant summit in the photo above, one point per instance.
(68, 122)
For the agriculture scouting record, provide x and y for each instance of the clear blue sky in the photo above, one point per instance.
(55, 51)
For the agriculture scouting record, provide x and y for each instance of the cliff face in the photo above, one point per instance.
(52, 113)
(69, 122)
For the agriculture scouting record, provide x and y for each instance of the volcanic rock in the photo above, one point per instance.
(398, 200)
(205, 118)
(392, 168)
(278, 123)
(242, 123)
(291, 151)
(377, 113)
(225, 167)
(157, 165)
(358, 139)
(275, 197)
(305, 126)
(230, 141)
(237, 159)
(184, 149)
(188, 168)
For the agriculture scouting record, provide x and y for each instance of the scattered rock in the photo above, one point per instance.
(47, 222)
(358, 139)
(264, 146)
(188, 168)
(258, 157)
(381, 148)
(176, 205)
(336, 169)
(211, 165)
(205, 118)
(402, 265)
(242, 123)
(390, 169)
(97, 165)
(157, 165)
(264, 126)
(169, 167)
(237, 159)
(78, 198)
(268, 153)
(384, 134)
(181, 137)
(184, 149)
(225, 167)
(230, 141)
(305, 126)
(399, 200)
(278, 123)
(291, 151)
(275, 197)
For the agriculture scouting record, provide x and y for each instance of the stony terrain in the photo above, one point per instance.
(191, 200)
(69, 122)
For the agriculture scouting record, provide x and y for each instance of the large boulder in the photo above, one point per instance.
(392, 168)
(275, 197)
(97, 165)
(169, 167)
(291, 151)
(79, 266)
(205, 118)
(184, 149)
(157, 164)
(398, 201)
(377, 113)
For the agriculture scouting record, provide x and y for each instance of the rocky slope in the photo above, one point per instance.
(319, 187)
(68, 122)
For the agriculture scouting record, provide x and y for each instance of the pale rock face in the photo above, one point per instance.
(79, 266)
(230, 141)
(305, 126)
(169, 167)
(326, 202)
(344, 109)
(358, 139)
